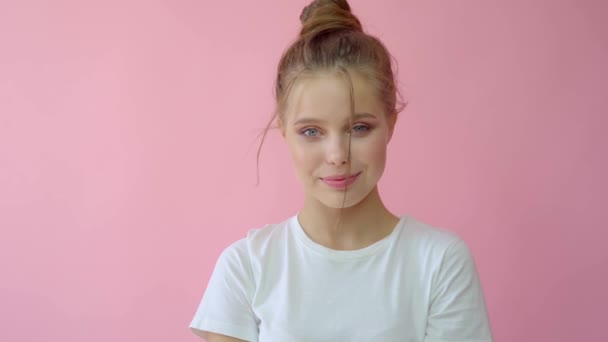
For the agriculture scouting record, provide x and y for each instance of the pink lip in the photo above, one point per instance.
(340, 182)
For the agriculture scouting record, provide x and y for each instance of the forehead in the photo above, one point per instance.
(326, 96)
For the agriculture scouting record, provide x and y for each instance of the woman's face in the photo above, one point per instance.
(316, 127)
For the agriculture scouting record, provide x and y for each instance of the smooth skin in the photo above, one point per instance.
(213, 337)
(317, 128)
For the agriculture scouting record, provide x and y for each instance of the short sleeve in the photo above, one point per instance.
(457, 311)
(226, 304)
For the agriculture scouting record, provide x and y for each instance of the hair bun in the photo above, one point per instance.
(327, 16)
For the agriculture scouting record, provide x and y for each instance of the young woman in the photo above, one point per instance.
(343, 268)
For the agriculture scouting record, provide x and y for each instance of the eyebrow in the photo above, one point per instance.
(357, 116)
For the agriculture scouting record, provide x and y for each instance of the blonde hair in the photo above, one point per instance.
(332, 40)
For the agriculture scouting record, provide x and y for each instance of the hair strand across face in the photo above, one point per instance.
(332, 40)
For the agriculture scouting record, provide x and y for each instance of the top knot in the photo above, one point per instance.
(328, 16)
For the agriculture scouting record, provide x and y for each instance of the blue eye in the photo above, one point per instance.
(360, 128)
(310, 132)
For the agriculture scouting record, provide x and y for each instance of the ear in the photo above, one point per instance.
(392, 120)
(281, 126)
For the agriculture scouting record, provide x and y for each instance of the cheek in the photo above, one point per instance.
(371, 152)
(304, 156)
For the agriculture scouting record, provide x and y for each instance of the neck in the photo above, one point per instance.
(349, 228)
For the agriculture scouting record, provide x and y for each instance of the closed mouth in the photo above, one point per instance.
(337, 182)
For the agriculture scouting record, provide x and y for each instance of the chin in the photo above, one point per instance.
(338, 201)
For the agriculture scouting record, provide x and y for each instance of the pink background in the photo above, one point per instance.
(127, 155)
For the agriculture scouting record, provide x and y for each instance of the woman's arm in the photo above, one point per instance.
(213, 337)
(226, 305)
(458, 310)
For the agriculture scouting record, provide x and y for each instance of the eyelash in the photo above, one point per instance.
(303, 132)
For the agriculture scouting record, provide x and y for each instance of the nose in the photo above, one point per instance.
(337, 150)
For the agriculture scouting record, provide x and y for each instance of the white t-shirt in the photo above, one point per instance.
(419, 283)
